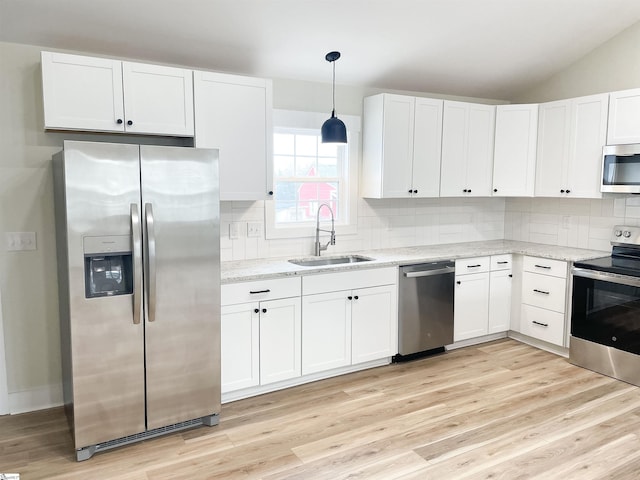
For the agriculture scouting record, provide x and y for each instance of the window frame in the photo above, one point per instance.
(298, 120)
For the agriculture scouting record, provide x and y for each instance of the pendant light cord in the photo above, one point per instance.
(333, 110)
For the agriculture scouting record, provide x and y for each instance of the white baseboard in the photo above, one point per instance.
(35, 399)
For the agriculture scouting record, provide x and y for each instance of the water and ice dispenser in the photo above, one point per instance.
(108, 266)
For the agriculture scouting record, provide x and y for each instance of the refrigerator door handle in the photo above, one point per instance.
(137, 261)
(151, 263)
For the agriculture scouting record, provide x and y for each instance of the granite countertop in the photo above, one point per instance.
(246, 270)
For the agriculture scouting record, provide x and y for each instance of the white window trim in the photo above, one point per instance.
(314, 120)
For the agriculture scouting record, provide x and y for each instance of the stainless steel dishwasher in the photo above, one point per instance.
(425, 309)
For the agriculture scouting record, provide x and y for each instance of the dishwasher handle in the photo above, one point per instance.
(429, 273)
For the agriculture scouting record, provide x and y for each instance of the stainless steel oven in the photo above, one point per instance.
(605, 310)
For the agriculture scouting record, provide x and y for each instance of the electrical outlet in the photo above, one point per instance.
(17, 241)
(254, 229)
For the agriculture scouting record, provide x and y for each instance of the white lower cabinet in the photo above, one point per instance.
(342, 327)
(240, 347)
(260, 334)
(273, 332)
(482, 302)
(500, 293)
(326, 332)
(280, 340)
(544, 287)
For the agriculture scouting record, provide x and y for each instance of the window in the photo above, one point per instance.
(308, 173)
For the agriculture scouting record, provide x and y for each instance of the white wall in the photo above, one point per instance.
(615, 65)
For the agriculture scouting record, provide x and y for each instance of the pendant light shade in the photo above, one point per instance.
(334, 129)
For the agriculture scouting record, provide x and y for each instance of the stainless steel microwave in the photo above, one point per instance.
(621, 168)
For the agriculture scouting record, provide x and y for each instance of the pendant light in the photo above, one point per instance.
(333, 130)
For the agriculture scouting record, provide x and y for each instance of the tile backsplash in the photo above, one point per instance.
(581, 223)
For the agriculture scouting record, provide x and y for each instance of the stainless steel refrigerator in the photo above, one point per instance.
(139, 280)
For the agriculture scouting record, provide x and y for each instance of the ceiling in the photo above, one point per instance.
(479, 48)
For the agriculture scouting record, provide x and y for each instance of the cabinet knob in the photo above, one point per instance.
(256, 311)
(270, 192)
(129, 122)
(562, 191)
(410, 191)
(349, 297)
(415, 191)
(464, 191)
(495, 190)
(356, 297)
(458, 282)
(119, 121)
(469, 190)
(264, 310)
(568, 191)
(510, 275)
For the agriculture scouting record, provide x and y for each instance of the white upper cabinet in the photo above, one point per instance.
(514, 159)
(234, 113)
(401, 146)
(157, 100)
(571, 134)
(468, 132)
(624, 117)
(104, 95)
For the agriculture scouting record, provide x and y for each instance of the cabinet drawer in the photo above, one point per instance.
(472, 265)
(544, 291)
(260, 290)
(546, 266)
(333, 282)
(501, 262)
(542, 324)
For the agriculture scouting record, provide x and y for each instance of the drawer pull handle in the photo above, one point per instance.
(540, 291)
(543, 266)
(541, 324)
(474, 266)
(502, 263)
(259, 291)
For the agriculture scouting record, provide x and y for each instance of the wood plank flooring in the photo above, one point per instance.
(498, 410)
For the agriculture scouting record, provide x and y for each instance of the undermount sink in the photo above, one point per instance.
(321, 261)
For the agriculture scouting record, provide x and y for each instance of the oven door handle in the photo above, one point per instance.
(606, 277)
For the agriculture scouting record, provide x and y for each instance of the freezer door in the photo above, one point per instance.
(182, 283)
(101, 184)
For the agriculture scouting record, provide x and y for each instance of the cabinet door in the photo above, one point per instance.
(481, 134)
(588, 136)
(374, 323)
(471, 306)
(427, 147)
(453, 173)
(326, 331)
(553, 148)
(397, 146)
(624, 117)
(280, 340)
(234, 114)
(157, 100)
(82, 93)
(240, 347)
(514, 159)
(500, 301)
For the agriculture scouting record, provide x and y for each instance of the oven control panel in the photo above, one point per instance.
(625, 235)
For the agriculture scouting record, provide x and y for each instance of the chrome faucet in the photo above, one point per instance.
(332, 241)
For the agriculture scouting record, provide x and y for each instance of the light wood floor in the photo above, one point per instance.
(498, 410)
